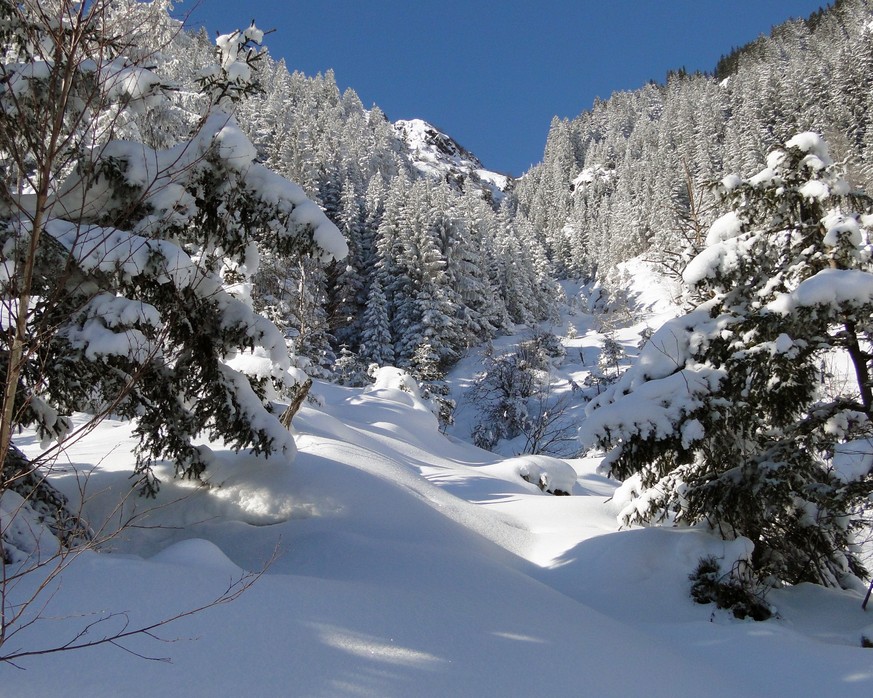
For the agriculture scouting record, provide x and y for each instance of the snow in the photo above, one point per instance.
(842, 227)
(718, 257)
(731, 182)
(853, 460)
(547, 473)
(289, 197)
(495, 179)
(724, 228)
(829, 287)
(765, 176)
(235, 147)
(405, 562)
(133, 82)
(97, 341)
(815, 189)
(163, 176)
(196, 552)
(590, 175)
(814, 144)
(230, 46)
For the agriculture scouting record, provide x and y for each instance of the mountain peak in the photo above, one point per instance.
(437, 155)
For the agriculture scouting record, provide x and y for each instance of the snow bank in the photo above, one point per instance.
(413, 564)
(547, 473)
(196, 552)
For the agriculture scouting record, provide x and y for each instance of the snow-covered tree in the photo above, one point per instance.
(125, 264)
(723, 419)
(348, 369)
(377, 345)
(514, 398)
(424, 367)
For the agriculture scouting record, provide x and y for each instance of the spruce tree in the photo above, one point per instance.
(424, 367)
(377, 344)
(724, 420)
(126, 265)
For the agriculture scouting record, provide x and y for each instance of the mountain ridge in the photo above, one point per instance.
(436, 155)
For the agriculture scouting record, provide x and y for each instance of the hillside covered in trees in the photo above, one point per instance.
(438, 255)
(631, 176)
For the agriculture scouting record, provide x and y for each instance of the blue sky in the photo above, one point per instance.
(493, 74)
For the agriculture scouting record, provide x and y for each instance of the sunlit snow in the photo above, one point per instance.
(411, 563)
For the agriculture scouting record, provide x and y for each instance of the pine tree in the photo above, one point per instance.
(377, 344)
(610, 358)
(349, 287)
(126, 266)
(349, 370)
(723, 420)
(424, 367)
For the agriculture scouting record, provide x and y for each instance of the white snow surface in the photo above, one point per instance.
(812, 143)
(413, 564)
(590, 175)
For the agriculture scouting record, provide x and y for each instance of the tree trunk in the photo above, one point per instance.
(860, 360)
(292, 409)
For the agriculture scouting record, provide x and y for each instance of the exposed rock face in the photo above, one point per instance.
(439, 156)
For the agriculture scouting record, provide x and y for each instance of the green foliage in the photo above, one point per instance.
(724, 421)
(125, 266)
(727, 590)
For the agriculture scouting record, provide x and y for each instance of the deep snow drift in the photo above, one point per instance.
(411, 563)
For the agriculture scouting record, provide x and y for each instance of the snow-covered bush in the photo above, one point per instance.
(349, 370)
(513, 395)
(544, 347)
(501, 392)
(551, 475)
(425, 369)
(722, 420)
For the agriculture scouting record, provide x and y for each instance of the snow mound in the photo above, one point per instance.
(197, 552)
(256, 491)
(549, 474)
(643, 289)
(414, 564)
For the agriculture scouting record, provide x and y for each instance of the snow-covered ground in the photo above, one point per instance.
(409, 563)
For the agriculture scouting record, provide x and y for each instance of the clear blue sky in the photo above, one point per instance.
(492, 74)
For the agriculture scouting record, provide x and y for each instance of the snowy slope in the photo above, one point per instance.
(410, 563)
(438, 156)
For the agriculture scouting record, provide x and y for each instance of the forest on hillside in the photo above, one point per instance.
(192, 233)
(634, 174)
(438, 261)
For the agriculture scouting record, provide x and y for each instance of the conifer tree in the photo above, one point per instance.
(349, 286)
(425, 368)
(348, 369)
(126, 264)
(377, 344)
(723, 420)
